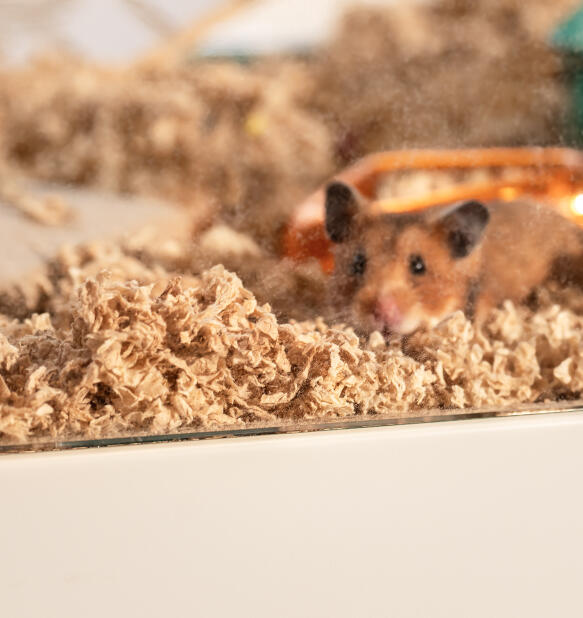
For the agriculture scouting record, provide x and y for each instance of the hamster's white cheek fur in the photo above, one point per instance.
(409, 324)
(417, 317)
(420, 318)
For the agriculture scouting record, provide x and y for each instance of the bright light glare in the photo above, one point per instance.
(508, 193)
(577, 204)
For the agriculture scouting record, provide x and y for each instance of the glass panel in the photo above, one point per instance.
(228, 222)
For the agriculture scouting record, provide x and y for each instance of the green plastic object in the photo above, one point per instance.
(569, 35)
(568, 41)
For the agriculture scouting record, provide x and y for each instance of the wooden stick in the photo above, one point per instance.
(177, 46)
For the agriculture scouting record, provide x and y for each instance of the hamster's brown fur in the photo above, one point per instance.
(400, 272)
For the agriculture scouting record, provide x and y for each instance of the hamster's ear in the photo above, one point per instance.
(464, 227)
(342, 205)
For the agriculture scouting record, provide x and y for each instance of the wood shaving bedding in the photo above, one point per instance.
(450, 73)
(220, 138)
(172, 355)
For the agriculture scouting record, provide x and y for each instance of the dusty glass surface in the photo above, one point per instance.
(231, 224)
(298, 427)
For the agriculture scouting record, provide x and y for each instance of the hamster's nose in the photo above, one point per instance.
(387, 312)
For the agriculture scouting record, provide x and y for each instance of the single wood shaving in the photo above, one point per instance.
(46, 210)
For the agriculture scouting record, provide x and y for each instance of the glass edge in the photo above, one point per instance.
(438, 416)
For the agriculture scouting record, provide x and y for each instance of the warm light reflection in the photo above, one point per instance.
(577, 204)
(508, 193)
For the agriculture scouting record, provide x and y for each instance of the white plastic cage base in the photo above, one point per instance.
(455, 519)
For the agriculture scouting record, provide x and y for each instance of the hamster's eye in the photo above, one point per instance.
(358, 265)
(417, 265)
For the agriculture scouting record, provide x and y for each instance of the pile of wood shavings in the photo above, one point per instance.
(423, 74)
(202, 353)
(222, 139)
